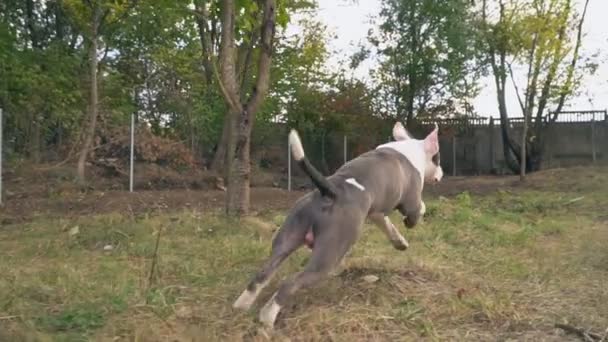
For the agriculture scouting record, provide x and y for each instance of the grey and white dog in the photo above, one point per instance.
(330, 219)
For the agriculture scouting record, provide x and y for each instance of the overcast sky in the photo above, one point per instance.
(350, 22)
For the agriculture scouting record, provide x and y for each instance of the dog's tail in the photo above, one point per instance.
(325, 187)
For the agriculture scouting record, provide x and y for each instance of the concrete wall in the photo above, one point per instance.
(480, 150)
(476, 149)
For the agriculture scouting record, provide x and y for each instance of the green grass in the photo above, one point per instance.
(504, 265)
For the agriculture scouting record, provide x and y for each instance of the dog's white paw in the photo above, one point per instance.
(245, 300)
(269, 312)
(401, 243)
(422, 208)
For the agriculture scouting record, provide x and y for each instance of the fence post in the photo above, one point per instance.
(593, 154)
(132, 154)
(1, 128)
(454, 155)
(288, 165)
(345, 148)
(492, 156)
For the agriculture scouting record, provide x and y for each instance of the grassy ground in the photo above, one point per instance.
(506, 265)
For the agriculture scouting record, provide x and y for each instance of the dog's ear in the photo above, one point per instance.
(431, 142)
(400, 133)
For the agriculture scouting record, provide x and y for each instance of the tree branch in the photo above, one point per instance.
(245, 64)
(130, 5)
(201, 21)
(266, 46)
(227, 81)
(557, 52)
(500, 77)
(102, 60)
(566, 88)
(521, 103)
(586, 335)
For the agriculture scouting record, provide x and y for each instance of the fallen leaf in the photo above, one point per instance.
(370, 278)
(74, 230)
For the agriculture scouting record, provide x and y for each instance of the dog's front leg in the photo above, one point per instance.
(412, 213)
(385, 224)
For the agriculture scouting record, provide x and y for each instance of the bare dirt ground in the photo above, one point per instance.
(31, 196)
(30, 193)
(137, 203)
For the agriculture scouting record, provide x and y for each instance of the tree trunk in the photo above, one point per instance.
(30, 23)
(93, 99)
(536, 145)
(229, 154)
(535, 154)
(497, 52)
(34, 144)
(193, 135)
(412, 87)
(34, 138)
(507, 145)
(324, 165)
(522, 160)
(240, 170)
(410, 111)
(201, 21)
(219, 158)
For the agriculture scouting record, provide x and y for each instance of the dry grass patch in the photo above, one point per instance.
(506, 265)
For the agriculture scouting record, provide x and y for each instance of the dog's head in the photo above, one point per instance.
(430, 145)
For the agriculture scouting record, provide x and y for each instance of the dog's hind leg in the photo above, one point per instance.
(289, 238)
(270, 311)
(326, 255)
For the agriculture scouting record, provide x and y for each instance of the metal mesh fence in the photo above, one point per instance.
(468, 145)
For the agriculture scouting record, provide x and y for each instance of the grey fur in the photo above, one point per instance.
(390, 181)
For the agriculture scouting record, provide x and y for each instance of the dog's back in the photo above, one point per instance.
(384, 177)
